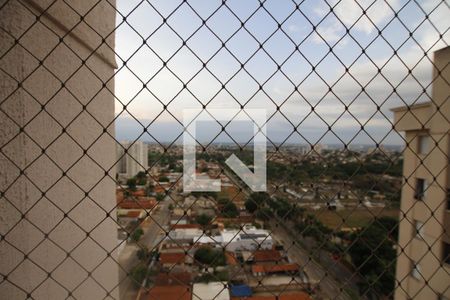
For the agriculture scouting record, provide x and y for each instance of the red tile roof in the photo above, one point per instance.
(138, 193)
(172, 258)
(231, 258)
(266, 255)
(174, 278)
(275, 268)
(146, 203)
(133, 214)
(295, 296)
(184, 226)
(159, 189)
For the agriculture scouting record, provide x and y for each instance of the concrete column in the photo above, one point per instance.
(57, 239)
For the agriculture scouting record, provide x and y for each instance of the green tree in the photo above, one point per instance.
(373, 253)
(203, 220)
(138, 274)
(143, 253)
(137, 234)
(210, 257)
(264, 214)
(230, 210)
(160, 197)
(222, 200)
(251, 206)
(141, 178)
(163, 179)
(131, 183)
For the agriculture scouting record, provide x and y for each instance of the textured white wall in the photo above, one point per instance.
(45, 227)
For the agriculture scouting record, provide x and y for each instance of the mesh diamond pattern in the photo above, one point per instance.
(354, 207)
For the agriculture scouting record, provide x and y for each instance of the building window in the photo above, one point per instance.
(418, 229)
(446, 252)
(421, 187)
(415, 272)
(423, 144)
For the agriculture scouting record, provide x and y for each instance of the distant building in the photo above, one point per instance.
(263, 256)
(423, 264)
(169, 259)
(312, 149)
(263, 270)
(249, 239)
(132, 162)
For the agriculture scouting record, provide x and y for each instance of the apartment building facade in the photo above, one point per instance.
(58, 236)
(134, 160)
(423, 264)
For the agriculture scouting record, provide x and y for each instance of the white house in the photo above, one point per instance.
(210, 291)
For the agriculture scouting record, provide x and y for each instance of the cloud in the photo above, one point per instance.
(349, 11)
(293, 28)
(331, 33)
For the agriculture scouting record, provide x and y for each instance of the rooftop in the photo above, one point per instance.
(172, 258)
(210, 291)
(242, 290)
(148, 203)
(275, 268)
(185, 226)
(173, 278)
(168, 292)
(266, 255)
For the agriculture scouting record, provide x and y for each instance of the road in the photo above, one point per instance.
(128, 257)
(329, 286)
(317, 273)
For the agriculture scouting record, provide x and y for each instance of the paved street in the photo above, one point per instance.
(151, 237)
(316, 273)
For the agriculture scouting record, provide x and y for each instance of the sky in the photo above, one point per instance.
(194, 74)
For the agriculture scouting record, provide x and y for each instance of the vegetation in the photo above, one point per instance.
(162, 159)
(138, 274)
(284, 209)
(375, 172)
(216, 276)
(143, 254)
(205, 194)
(312, 227)
(163, 179)
(141, 178)
(251, 206)
(373, 253)
(264, 214)
(137, 234)
(371, 248)
(160, 197)
(230, 210)
(131, 183)
(210, 257)
(203, 220)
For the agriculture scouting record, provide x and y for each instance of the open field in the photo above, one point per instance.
(352, 218)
